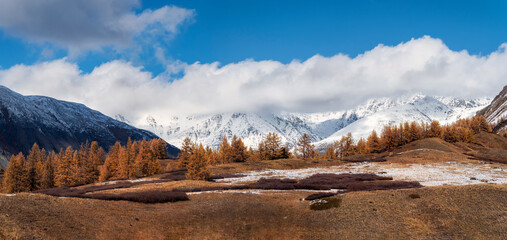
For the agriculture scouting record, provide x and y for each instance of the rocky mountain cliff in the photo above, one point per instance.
(496, 112)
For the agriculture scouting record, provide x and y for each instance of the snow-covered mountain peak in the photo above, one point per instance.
(323, 127)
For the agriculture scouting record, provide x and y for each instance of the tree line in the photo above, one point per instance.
(463, 130)
(196, 158)
(88, 164)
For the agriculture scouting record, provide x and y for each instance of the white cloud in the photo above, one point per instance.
(80, 25)
(318, 84)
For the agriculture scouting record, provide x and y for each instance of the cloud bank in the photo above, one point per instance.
(80, 25)
(320, 83)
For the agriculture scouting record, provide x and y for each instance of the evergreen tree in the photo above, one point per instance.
(124, 160)
(270, 148)
(186, 152)
(96, 158)
(347, 145)
(407, 135)
(133, 152)
(47, 176)
(304, 147)
(77, 169)
(238, 150)
(146, 162)
(415, 131)
(212, 156)
(330, 152)
(373, 142)
(225, 151)
(362, 147)
(198, 165)
(64, 167)
(15, 179)
(435, 130)
(110, 167)
(33, 160)
(159, 148)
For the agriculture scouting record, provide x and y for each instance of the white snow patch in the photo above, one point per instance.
(430, 174)
(259, 191)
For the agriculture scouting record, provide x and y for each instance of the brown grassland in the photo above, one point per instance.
(449, 212)
(439, 212)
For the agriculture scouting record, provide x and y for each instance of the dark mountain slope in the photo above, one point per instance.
(496, 112)
(55, 124)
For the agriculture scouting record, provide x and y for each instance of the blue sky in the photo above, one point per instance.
(232, 31)
(164, 58)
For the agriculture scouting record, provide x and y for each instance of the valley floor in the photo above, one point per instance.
(462, 198)
(443, 212)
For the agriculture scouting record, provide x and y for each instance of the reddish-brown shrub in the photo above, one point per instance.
(335, 181)
(155, 196)
(319, 195)
(381, 185)
(226, 175)
(350, 182)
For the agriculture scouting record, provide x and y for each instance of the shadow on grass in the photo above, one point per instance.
(143, 197)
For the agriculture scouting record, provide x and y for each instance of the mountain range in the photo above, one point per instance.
(323, 128)
(55, 124)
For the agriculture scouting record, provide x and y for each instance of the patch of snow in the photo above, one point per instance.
(431, 174)
(261, 191)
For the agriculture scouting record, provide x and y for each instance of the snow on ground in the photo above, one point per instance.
(263, 191)
(430, 174)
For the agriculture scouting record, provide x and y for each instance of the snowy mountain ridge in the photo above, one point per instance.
(323, 127)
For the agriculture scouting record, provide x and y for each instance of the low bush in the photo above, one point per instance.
(319, 195)
(414, 195)
(349, 182)
(274, 183)
(226, 175)
(364, 158)
(325, 203)
(381, 185)
(336, 181)
(155, 196)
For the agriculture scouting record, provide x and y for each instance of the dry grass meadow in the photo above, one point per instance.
(468, 211)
